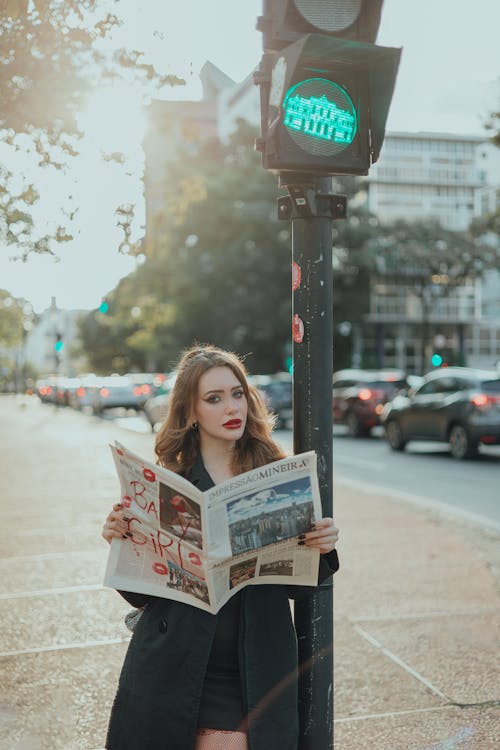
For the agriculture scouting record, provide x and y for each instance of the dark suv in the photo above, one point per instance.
(359, 397)
(456, 405)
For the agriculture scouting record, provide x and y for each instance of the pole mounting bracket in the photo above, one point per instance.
(305, 203)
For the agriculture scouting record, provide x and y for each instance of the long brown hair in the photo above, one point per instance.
(178, 444)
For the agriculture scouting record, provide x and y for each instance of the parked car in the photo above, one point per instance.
(155, 408)
(46, 389)
(81, 398)
(455, 405)
(276, 391)
(65, 390)
(117, 391)
(359, 397)
(151, 384)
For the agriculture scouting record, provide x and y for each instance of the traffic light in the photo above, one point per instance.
(59, 343)
(104, 306)
(444, 357)
(325, 88)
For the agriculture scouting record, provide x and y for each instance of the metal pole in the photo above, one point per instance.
(311, 208)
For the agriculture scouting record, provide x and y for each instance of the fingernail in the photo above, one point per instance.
(302, 536)
(301, 543)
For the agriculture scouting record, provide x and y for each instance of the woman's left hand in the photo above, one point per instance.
(323, 536)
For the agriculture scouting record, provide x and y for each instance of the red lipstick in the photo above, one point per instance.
(232, 424)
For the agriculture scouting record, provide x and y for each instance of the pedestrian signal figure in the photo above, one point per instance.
(192, 680)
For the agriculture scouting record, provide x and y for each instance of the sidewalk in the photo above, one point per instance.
(417, 603)
(417, 626)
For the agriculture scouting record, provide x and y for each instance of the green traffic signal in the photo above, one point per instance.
(59, 346)
(103, 307)
(436, 360)
(320, 116)
(324, 105)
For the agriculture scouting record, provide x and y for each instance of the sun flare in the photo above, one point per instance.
(114, 118)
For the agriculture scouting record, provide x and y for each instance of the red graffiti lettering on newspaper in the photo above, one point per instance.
(164, 546)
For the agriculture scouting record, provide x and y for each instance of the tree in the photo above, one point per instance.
(15, 319)
(218, 264)
(51, 58)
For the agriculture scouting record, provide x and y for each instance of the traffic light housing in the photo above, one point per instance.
(324, 97)
(285, 21)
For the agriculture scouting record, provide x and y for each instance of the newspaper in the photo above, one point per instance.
(202, 547)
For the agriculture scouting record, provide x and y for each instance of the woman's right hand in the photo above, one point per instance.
(116, 524)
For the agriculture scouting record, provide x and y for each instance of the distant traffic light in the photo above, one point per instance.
(104, 307)
(59, 343)
(324, 96)
(436, 360)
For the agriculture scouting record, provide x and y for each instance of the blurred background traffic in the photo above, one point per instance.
(459, 406)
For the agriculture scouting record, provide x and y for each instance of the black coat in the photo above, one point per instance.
(157, 702)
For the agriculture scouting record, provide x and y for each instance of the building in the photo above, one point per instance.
(50, 347)
(446, 177)
(451, 179)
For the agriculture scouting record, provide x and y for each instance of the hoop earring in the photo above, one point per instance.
(194, 426)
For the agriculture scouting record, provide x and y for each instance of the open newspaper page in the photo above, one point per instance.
(164, 555)
(202, 547)
(253, 524)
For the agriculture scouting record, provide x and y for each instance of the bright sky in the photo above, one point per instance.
(447, 82)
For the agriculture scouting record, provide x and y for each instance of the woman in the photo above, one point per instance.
(192, 680)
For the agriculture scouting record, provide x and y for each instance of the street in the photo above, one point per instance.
(416, 600)
(424, 472)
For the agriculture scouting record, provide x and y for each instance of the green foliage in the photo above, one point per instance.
(217, 268)
(11, 320)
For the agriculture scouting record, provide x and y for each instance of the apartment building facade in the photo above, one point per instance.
(450, 179)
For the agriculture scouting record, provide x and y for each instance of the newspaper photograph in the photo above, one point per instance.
(201, 547)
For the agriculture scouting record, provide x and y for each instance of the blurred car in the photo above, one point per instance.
(155, 408)
(46, 389)
(151, 384)
(81, 397)
(455, 405)
(359, 397)
(276, 391)
(117, 391)
(65, 390)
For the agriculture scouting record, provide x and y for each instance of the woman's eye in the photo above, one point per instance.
(239, 394)
(213, 399)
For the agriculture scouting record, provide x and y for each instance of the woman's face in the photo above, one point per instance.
(220, 406)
